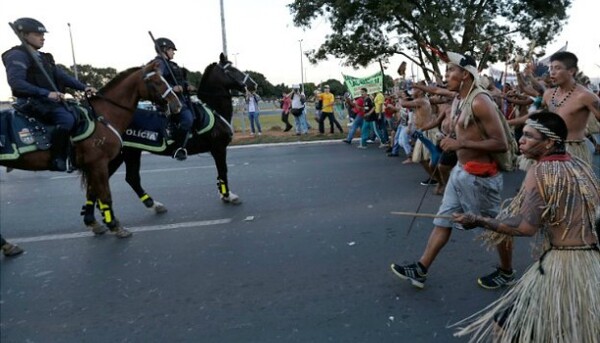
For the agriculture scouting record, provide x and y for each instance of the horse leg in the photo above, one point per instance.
(133, 163)
(98, 185)
(220, 156)
(87, 210)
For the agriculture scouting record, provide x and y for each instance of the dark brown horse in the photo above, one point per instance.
(114, 105)
(214, 89)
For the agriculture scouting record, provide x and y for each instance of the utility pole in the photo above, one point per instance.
(73, 53)
(301, 67)
(223, 29)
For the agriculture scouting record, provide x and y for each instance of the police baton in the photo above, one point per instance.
(38, 63)
(161, 55)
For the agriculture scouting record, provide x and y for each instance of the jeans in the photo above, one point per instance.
(358, 121)
(367, 126)
(300, 122)
(253, 116)
(381, 125)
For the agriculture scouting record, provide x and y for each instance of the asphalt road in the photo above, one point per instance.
(305, 258)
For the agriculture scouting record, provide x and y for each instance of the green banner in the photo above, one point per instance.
(373, 83)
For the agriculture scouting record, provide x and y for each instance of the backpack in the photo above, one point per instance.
(507, 160)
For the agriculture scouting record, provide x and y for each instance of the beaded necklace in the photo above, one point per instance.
(553, 100)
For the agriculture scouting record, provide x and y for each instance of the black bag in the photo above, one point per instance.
(319, 105)
(297, 112)
(371, 117)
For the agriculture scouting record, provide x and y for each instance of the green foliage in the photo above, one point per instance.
(367, 30)
(95, 77)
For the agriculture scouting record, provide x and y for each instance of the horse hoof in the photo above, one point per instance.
(232, 199)
(121, 232)
(159, 208)
(97, 228)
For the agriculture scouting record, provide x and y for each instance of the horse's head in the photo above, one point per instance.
(237, 79)
(158, 89)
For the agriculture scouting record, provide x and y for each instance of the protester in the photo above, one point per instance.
(286, 105)
(327, 101)
(252, 100)
(573, 102)
(475, 183)
(298, 109)
(556, 299)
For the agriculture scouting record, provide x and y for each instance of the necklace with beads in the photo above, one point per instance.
(553, 100)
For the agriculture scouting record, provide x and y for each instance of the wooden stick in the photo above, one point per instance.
(427, 215)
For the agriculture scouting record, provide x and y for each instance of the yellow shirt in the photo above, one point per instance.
(328, 100)
(379, 101)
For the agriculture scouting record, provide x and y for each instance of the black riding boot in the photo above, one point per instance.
(181, 138)
(59, 150)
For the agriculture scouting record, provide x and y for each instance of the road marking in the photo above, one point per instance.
(132, 229)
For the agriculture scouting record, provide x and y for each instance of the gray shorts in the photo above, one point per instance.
(469, 193)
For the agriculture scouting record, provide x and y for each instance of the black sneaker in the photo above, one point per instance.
(391, 154)
(497, 279)
(346, 141)
(411, 272)
(429, 181)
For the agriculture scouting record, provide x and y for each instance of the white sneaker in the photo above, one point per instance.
(361, 146)
(369, 141)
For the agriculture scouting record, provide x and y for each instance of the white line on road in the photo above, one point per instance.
(132, 229)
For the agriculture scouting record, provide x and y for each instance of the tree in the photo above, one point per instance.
(368, 30)
(95, 77)
(264, 88)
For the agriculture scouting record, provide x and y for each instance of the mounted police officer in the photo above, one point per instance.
(176, 78)
(30, 84)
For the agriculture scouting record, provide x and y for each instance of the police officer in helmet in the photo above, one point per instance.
(28, 83)
(166, 50)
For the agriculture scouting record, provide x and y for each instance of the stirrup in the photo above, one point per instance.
(180, 158)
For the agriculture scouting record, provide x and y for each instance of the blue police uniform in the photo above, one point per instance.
(27, 81)
(186, 116)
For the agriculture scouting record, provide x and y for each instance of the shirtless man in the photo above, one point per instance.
(444, 122)
(475, 183)
(422, 115)
(573, 102)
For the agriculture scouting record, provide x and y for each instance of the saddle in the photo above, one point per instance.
(152, 131)
(22, 132)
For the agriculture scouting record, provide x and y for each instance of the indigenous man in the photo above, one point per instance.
(475, 183)
(422, 115)
(573, 102)
(556, 300)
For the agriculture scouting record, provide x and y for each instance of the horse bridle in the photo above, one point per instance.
(145, 79)
(103, 120)
(247, 77)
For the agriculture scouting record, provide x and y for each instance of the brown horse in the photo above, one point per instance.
(218, 81)
(114, 106)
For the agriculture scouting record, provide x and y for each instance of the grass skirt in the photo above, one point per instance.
(561, 305)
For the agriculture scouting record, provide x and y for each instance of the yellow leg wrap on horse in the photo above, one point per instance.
(144, 197)
(106, 212)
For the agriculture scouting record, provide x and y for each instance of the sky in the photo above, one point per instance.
(260, 36)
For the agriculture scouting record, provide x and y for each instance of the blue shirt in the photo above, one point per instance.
(18, 62)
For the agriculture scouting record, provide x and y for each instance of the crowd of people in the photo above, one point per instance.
(462, 125)
(462, 132)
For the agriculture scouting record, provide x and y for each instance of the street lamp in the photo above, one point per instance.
(301, 66)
